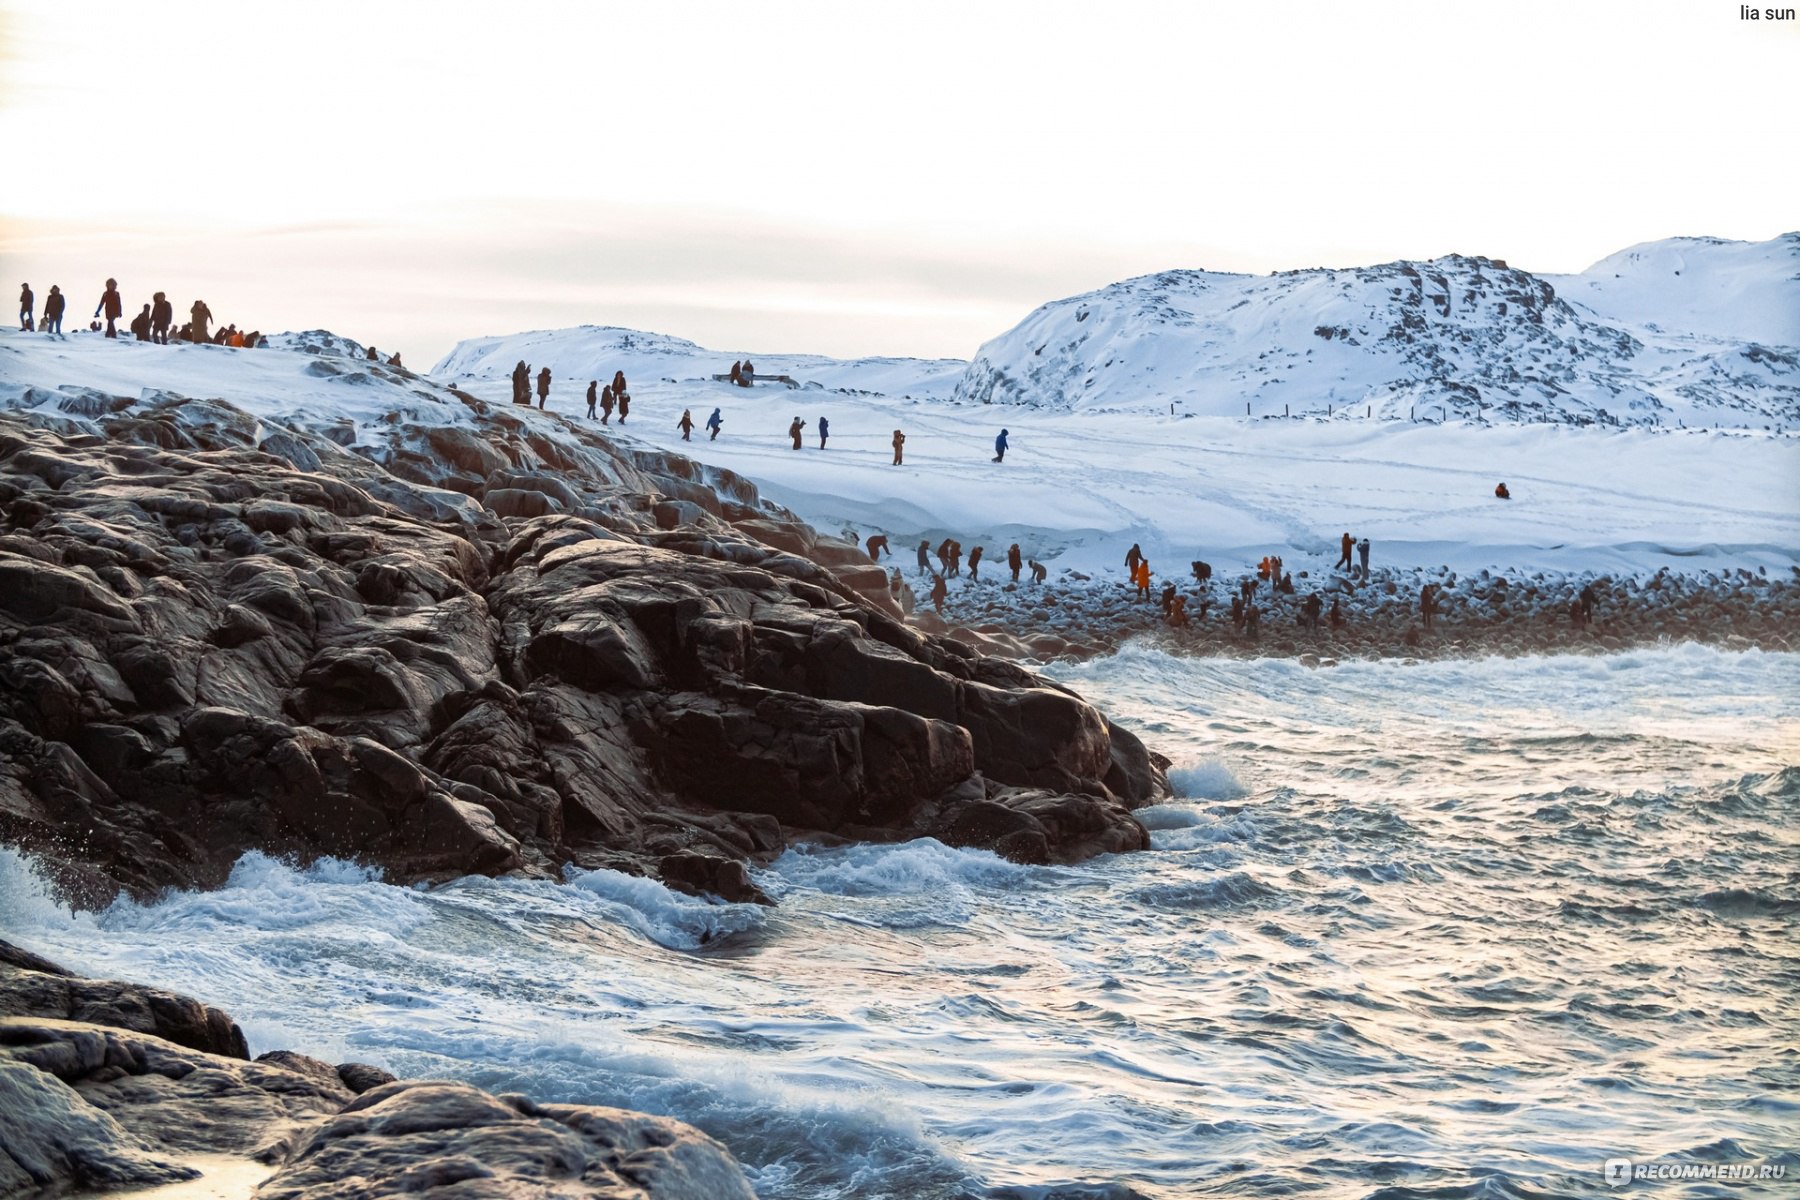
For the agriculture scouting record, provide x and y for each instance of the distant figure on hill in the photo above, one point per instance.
(824, 431)
(372, 354)
(737, 373)
(899, 446)
(686, 425)
(521, 379)
(877, 545)
(53, 310)
(618, 383)
(198, 315)
(1168, 597)
(394, 359)
(1038, 571)
(1013, 560)
(1427, 604)
(795, 430)
(606, 405)
(624, 406)
(713, 423)
(140, 325)
(27, 306)
(1132, 557)
(1000, 447)
(593, 396)
(975, 565)
(111, 305)
(162, 315)
(1348, 544)
(543, 386)
(924, 558)
(938, 592)
(1501, 493)
(1362, 554)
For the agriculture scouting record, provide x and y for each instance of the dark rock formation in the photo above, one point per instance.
(101, 1103)
(475, 647)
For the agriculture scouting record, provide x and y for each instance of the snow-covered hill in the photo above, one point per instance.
(597, 351)
(1456, 337)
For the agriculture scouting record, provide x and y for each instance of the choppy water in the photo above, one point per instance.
(1444, 929)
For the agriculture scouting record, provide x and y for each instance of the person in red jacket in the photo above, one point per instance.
(112, 306)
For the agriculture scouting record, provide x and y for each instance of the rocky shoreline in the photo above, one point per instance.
(109, 1086)
(469, 639)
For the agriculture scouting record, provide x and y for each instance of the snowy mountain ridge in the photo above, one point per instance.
(1689, 331)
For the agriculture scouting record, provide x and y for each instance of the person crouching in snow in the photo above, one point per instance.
(1501, 493)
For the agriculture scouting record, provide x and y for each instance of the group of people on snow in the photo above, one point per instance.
(154, 323)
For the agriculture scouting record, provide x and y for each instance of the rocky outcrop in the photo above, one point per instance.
(477, 647)
(102, 1104)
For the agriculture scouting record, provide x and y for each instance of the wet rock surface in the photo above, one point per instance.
(101, 1104)
(469, 647)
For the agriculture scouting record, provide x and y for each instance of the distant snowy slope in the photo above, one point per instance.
(597, 351)
(1735, 291)
(1453, 337)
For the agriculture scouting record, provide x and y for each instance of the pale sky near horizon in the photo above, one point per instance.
(852, 178)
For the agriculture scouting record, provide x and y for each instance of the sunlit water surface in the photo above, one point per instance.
(1438, 929)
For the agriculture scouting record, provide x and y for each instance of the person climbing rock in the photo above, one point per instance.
(606, 404)
(593, 396)
(27, 306)
(140, 325)
(1500, 492)
(1014, 560)
(686, 425)
(624, 405)
(824, 431)
(938, 592)
(975, 564)
(1168, 597)
(1038, 571)
(924, 558)
(543, 386)
(714, 423)
(877, 545)
(795, 430)
(1000, 447)
(198, 316)
(53, 310)
(112, 306)
(899, 446)
(1132, 557)
(1348, 544)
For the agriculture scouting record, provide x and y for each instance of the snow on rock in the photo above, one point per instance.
(1452, 338)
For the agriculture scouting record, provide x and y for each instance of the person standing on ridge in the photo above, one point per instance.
(899, 447)
(938, 592)
(140, 325)
(624, 406)
(1000, 447)
(824, 431)
(27, 305)
(112, 306)
(521, 379)
(686, 425)
(199, 315)
(543, 386)
(53, 310)
(795, 430)
(1362, 553)
(713, 423)
(1014, 560)
(1347, 545)
(593, 396)
(162, 315)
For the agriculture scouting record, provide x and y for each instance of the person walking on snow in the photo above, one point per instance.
(606, 405)
(1141, 576)
(938, 592)
(1133, 556)
(543, 386)
(27, 305)
(112, 306)
(1000, 447)
(1362, 553)
(162, 315)
(795, 430)
(593, 396)
(199, 315)
(1347, 545)
(713, 423)
(899, 446)
(686, 425)
(618, 383)
(1014, 560)
(924, 558)
(824, 431)
(975, 565)
(624, 406)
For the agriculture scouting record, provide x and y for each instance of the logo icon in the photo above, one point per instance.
(1618, 1171)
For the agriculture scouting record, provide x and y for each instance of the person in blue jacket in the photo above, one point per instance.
(824, 431)
(1000, 447)
(713, 422)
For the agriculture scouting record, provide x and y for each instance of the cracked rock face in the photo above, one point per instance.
(479, 649)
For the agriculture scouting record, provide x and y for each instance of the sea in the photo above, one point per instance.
(1469, 928)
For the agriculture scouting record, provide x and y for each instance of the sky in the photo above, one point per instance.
(852, 178)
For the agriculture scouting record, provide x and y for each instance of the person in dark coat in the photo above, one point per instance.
(1168, 598)
(198, 315)
(1501, 493)
(1337, 612)
(1310, 610)
(624, 406)
(140, 325)
(618, 382)
(686, 425)
(975, 565)
(543, 386)
(899, 447)
(1427, 604)
(1345, 547)
(877, 545)
(27, 306)
(713, 423)
(1000, 447)
(521, 378)
(924, 558)
(938, 592)
(1038, 571)
(795, 430)
(53, 310)
(824, 431)
(162, 315)
(737, 373)
(593, 396)
(1587, 599)
(1014, 560)
(748, 374)
(112, 306)
(1132, 557)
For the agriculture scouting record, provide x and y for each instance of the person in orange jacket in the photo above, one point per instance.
(1143, 578)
